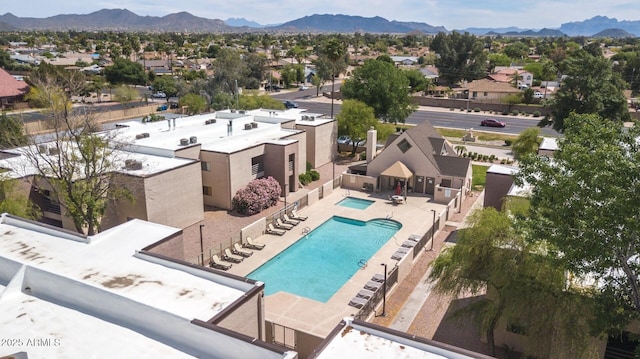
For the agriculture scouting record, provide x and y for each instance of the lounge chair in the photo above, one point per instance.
(241, 251)
(378, 278)
(373, 286)
(366, 294)
(415, 237)
(400, 253)
(253, 245)
(296, 216)
(279, 224)
(358, 302)
(272, 230)
(218, 264)
(409, 244)
(230, 257)
(290, 221)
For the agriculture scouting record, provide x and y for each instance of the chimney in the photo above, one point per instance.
(174, 123)
(169, 123)
(229, 128)
(372, 141)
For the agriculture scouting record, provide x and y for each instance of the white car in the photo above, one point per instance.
(538, 94)
(159, 95)
(344, 139)
(303, 87)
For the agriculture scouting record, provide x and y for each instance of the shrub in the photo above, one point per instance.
(451, 109)
(259, 194)
(305, 178)
(536, 113)
(504, 113)
(477, 109)
(462, 108)
(315, 175)
(515, 112)
(309, 166)
(508, 142)
(492, 157)
(503, 161)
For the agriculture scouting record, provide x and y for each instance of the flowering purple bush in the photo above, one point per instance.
(259, 194)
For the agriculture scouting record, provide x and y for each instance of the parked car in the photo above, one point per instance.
(344, 139)
(290, 104)
(272, 87)
(538, 94)
(303, 87)
(359, 144)
(162, 108)
(492, 122)
(159, 94)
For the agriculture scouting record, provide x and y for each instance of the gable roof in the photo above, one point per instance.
(486, 85)
(398, 169)
(10, 87)
(437, 150)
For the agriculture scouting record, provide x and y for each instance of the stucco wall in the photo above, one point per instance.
(496, 188)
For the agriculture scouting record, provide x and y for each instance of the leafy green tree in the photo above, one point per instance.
(355, 119)
(252, 102)
(527, 95)
(517, 285)
(125, 71)
(335, 51)
(584, 205)
(14, 201)
(125, 94)
(11, 132)
(517, 50)
(498, 59)
(383, 87)
(590, 86)
(527, 143)
(166, 84)
(223, 100)
(5, 59)
(417, 81)
(460, 56)
(194, 103)
(511, 99)
(81, 174)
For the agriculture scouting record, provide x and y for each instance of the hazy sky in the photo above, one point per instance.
(452, 14)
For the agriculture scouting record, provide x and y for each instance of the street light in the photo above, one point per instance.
(201, 245)
(433, 228)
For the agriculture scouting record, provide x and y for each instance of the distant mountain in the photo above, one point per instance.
(486, 30)
(613, 33)
(422, 27)
(530, 33)
(347, 23)
(597, 24)
(6, 27)
(240, 22)
(117, 19)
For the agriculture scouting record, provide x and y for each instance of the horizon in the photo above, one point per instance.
(455, 14)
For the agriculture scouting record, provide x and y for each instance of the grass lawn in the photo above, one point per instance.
(479, 175)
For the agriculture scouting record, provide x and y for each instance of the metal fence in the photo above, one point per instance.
(370, 307)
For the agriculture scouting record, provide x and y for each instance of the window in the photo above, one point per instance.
(257, 166)
(475, 94)
(404, 146)
(206, 190)
(206, 166)
(486, 94)
(445, 183)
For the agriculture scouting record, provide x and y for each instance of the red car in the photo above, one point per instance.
(491, 122)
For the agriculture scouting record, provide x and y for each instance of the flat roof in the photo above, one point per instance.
(355, 339)
(87, 296)
(503, 170)
(549, 144)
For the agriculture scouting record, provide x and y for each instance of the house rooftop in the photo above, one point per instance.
(101, 296)
(549, 144)
(362, 340)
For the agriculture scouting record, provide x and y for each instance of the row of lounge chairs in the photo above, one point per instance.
(407, 247)
(368, 292)
(235, 255)
(285, 223)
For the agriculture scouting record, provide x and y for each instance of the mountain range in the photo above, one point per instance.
(125, 20)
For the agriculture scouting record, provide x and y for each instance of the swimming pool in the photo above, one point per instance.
(321, 262)
(357, 203)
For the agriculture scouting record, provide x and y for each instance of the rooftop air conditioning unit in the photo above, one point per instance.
(247, 126)
(146, 134)
(193, 139)
(43, 149)
(254, 125)
(208, 122)
(139, 136)
(184, 141)
(132, 164)
(242, 112)
(311, 118)
(54, 151)
(305, 117)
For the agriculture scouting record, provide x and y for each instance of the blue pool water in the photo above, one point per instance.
(321, 262)
(357, 203)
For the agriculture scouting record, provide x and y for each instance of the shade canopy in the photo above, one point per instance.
(398, 170)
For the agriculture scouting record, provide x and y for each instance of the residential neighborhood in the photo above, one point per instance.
(290, 195)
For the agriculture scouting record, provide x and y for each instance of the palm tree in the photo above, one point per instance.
(334, 50)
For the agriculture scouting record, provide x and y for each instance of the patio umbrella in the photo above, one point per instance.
(398, 189)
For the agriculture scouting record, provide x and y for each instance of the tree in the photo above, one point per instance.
(14, 201)
(460, 56)
(194, 103)
(125, 94)
(355, 119)
(527, 143)
(383, 87)
(166, 84)
(80, 164)
(521, 287)
(334, 50)
(417, 81)
(125, 71)
(584, 205)
(11, 132)
(590, 86)
(252, 102)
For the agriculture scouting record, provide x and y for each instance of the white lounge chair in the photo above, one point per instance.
(365, 293)
(295, 215)
(400, 253)
(241, 251)
(290, 221)
(272, 230)
(358, 302)
(409, 244)
(378, 278)
(230, 257)
(253, 245)
(218, 264)
(279, 224)
(374, 286)
(415, 237)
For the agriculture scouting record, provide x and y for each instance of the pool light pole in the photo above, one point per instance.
(201, 245)
(433, 228)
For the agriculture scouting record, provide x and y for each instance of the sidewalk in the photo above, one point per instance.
(413, 309)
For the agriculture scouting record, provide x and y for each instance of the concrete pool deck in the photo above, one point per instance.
(320, 318)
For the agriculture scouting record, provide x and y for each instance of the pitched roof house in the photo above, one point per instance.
(11, 90)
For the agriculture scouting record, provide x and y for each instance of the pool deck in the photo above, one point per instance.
(320, 318)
